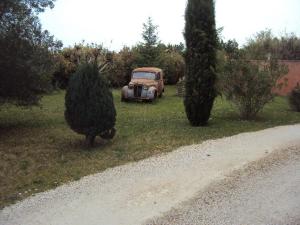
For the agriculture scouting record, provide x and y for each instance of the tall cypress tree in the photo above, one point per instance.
(201, 42)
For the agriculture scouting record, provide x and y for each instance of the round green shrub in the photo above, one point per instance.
(89, 104)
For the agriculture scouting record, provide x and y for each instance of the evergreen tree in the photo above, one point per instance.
(149, 50)
(201, 42)
(150, 34)
(89, 104)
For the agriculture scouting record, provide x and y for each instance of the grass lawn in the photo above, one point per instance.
(38, 151)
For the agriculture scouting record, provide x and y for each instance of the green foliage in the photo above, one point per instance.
(173, 66)
(89, 104)
(13, 6)
(119, 74)
(63, 70)
(201, 42)
(150, 35)
(294, 98)
(179, 48)
(169, 58)
(70, 58)
(149, 53)
(147, 56)
(26, 56)
(248, 83)
(148, 50)
(265, 44)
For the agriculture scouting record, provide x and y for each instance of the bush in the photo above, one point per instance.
(70, 58)
(201, 43)
(117, 74)
(249, 84)
(120, 71)
(172, 63)
(63, 71)
(89, 104)
(294, 98)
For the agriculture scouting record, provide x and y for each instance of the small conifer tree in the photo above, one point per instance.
(89, 104)
(149, 50)
(201, 42)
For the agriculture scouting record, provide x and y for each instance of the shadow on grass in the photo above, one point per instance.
(16, 130)
(79, 145)
(20, 123)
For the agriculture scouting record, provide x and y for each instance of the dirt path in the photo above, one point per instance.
(266, 192)
(136, 192)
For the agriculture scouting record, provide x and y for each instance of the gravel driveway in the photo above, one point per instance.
(267, 192)
(136, 192)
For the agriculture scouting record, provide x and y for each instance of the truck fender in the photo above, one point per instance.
(151, 92)
(124, 91)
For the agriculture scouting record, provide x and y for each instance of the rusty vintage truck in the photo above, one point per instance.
(146, 84)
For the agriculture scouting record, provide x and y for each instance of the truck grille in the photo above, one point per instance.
(137, 91)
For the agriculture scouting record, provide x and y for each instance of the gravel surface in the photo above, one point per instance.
(267, 192)
(136, 192)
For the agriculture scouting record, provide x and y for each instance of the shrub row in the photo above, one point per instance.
(118, 73)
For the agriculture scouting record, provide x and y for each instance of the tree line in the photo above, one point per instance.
(33, 62)
(149, 52)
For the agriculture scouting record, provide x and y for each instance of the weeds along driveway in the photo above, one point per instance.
(133, 193)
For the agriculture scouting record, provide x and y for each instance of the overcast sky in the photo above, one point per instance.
(115, 23)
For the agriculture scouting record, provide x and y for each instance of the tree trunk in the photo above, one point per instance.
(89, 140)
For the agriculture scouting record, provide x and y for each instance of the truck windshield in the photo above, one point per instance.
(143, 75)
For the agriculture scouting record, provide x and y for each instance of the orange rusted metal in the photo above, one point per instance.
(144, 88)
(147, 69)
